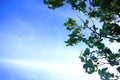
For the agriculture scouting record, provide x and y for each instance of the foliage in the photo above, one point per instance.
(107, 12)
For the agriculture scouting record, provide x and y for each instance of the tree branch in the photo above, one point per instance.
(97, 32)
(102, 63)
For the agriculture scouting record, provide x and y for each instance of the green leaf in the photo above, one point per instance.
(45, 2)
(103, 71)
(99, 72)
(88, 68)
(119, 50)
(118, 69)
(101, 46)
(86, 52)
(82, 59)
(65, 24)
(118, 40)
(87, 21)
(85, 66)
(70, 24)
(104, 32)
(94, 58)
(111, 40)
(94, 27)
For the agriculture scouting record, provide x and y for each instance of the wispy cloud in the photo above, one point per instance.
(72, 70)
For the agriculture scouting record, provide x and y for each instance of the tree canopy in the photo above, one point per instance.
(97, 54)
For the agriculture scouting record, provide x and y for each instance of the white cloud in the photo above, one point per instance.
(73, 70)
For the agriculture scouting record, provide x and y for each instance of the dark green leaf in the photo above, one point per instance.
(118, 69)
(94, 27)
(86, 52)
(82, 59)
(101, 46)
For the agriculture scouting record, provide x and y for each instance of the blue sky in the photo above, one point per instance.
(32, 43)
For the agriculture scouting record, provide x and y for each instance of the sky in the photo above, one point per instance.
(32, 43)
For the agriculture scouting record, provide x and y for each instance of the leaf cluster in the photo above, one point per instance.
(107, 12)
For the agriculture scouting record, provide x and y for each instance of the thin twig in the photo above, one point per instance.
(102, 63)
(92, 21)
